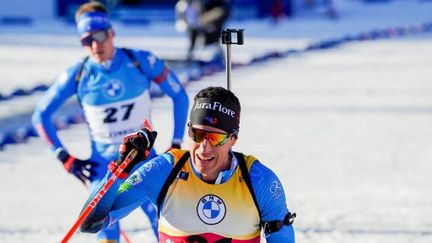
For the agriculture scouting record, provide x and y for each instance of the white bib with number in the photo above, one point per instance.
(111, 122)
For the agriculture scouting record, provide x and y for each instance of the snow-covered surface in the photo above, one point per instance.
(348, 130)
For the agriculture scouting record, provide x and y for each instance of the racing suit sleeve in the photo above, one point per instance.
(271, 199)
(126, 195)
(63, 88)
(174, 89)
(171, 86)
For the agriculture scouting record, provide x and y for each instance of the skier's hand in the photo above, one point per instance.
(82, 169)
(142, 141)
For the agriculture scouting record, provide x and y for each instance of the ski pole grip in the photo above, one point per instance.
(131, 155)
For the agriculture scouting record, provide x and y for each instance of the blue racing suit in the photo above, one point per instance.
(200, 210)
(115, 99)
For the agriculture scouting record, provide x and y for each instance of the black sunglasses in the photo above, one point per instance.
(98, 36)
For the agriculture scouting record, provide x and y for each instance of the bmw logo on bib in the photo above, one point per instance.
(113, 88)
(211, 209)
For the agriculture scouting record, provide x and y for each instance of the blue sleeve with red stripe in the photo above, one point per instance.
(63, 88)
(171, 86)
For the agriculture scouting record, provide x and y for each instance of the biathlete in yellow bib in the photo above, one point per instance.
(205, 194)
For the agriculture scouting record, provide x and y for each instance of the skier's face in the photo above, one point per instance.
(99, 45)
(209, 159)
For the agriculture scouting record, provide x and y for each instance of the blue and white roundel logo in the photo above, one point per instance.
(113, 88)
(211, 209)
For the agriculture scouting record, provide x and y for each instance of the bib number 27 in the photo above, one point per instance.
(114, 114)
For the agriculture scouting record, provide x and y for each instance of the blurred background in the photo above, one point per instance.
(145, 10)
(340, 89)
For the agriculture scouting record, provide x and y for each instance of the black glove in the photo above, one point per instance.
(142, 141)
(82, 169)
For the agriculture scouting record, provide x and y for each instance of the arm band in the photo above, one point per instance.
(275, 225)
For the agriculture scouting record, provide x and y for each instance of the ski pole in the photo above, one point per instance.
(132, 154)
(99, 195)
(125, 237)
(228, 39)
(122, 233)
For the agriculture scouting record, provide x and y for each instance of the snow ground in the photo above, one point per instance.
(347, 129)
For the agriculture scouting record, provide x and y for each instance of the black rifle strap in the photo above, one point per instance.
(177, 167)
(268, 226)
(81, 69)
(78, 77)
(171, 177)
(134, 60)
(128, 52)
(245, 174)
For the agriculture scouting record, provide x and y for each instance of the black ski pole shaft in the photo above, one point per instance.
(228, 66)
(231, 36)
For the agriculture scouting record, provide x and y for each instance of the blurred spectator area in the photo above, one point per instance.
(143, 11)
(156, 10)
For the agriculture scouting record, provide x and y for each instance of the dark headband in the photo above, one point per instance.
(209, 112)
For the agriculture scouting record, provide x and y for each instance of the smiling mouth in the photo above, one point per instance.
(205, 159)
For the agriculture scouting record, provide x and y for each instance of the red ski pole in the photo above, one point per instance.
(104, 189)
(99, 195)
(122, 233)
